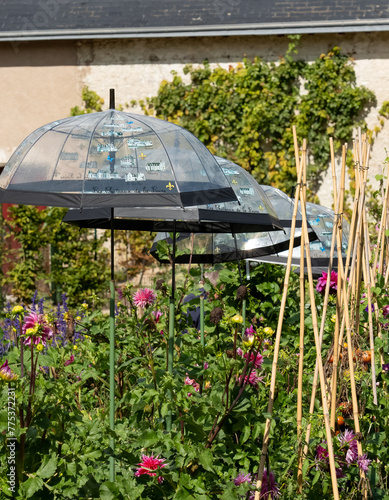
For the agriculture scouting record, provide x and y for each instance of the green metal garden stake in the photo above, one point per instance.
(112, 357)
(170, 352)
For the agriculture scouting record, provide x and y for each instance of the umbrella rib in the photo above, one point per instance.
(28, 150)
(87, 155)
(68, 134)
(167, 154)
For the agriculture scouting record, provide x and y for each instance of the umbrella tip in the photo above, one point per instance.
(111, 98)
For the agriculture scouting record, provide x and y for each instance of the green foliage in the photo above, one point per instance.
(78, 263)
(217, 430)
(92, 102)
(246, 112)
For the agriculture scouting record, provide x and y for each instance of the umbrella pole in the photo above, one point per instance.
(241, 283)
(112, 356)
(171, 323)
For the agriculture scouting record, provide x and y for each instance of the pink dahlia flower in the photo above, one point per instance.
(144, 297)
(256, 360)
(150, 464)
(253, 379)
(6, 373)
(322, 281)
(36, 328)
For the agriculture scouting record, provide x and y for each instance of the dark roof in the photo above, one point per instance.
(66, 19)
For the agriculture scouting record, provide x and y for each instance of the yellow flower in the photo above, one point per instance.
(84, 305)
(87, 337)
(268, 331)
(237, 319)
(14, 329)
(75, 347)
(39, 347)
(30, 331)
(333, 318)
(66, 316)
(18, 310)
(119, 303)
(78, 318)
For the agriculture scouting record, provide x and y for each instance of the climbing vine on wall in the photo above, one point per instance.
(246, 112)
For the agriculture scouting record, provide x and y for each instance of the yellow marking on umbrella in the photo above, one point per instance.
(217, 250)
(260, 207)
(142, 156)
(170, 186)
(234, 182)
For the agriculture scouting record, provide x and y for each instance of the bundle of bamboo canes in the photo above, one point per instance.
(357, 270)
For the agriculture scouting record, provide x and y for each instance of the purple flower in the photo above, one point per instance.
(322, 282)
(367, 308)
(348, 438)
(364, 462)
(385, 368)
(157, 315)
(385, 311)
(269, 486)
(256, 360)
(242, 478)
(69, 361)
(253, 379)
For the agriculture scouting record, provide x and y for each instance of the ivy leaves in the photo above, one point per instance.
(246, 112)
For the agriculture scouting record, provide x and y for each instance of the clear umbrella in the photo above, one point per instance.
(113, 159)
(322, 221)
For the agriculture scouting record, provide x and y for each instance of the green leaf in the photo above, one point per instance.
(109, 491)
(48, 467)
(206, 460)
(316, 478)
(32, 485)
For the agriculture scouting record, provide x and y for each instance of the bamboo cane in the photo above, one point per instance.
(338, 229)
(279, 325)
(318, 350)
(301, 352)
(351, 370)
(322, 326)
(366, 278)
(381, 234)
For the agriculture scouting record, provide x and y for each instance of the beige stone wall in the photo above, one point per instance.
(41, 81)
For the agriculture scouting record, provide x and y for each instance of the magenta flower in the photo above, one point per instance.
(269, 486)
(36, 328)
(255, 360)
(348, 438)
(364, 462)
(193, 383)
(385, 311)
(242, 478)
(385, 368)
(252, 379)
(6, 373)
(322, 281)
(157, 315)
(69, 361)
(144, 297)
(150, 464)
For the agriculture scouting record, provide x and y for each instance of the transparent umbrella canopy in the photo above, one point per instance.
(252, 212)
(321, 220)
(113, 159)
(213, 248)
